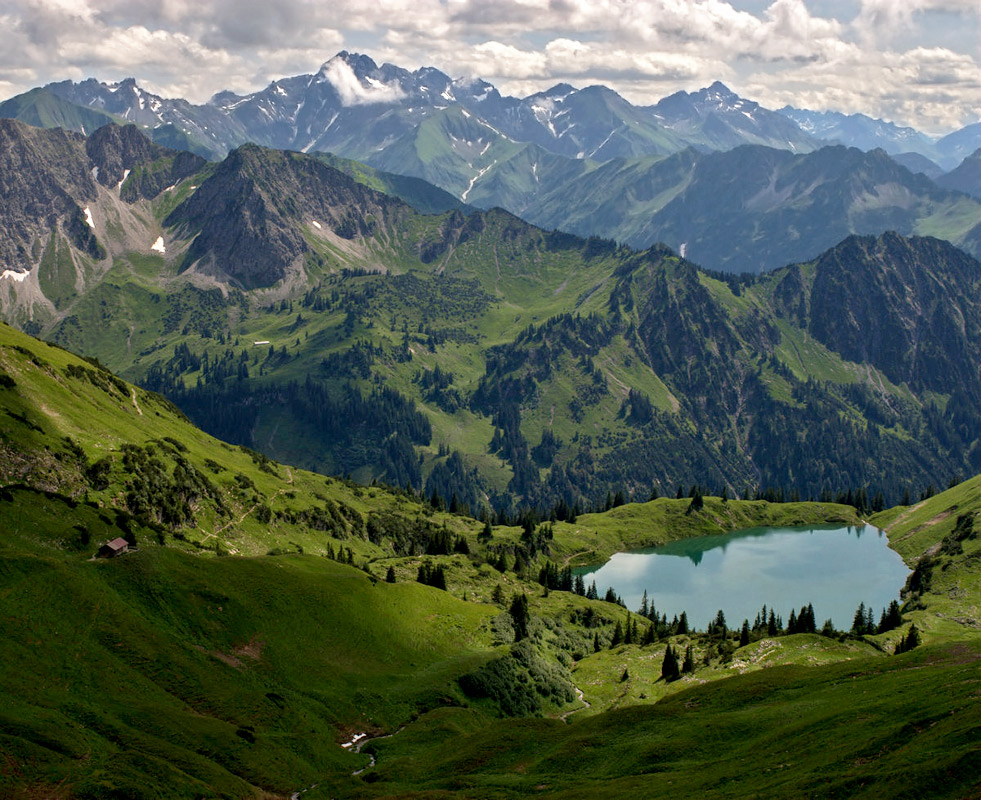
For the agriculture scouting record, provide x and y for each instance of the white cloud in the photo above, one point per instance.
(904, 53)
(934, 89)
(352, 92)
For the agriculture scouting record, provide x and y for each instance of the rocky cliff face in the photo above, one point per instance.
(45, 181)
(140, 168)
(251, 214)
(49, 177)
(909, 306)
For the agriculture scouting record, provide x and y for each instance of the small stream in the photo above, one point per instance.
(356, 743)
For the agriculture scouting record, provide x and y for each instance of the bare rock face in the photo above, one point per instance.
(249, 215)
(48, 177)
(45, 181)
(909, 306)
(142, 169)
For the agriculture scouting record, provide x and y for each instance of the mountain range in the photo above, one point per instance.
(353, 108)
(286, 306)
(639, 175)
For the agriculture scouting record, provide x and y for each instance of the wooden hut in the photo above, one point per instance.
(114, 548)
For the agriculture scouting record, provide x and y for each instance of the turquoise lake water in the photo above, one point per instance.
(832, 568)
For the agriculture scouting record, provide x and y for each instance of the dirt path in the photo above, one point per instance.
(273, 496)
(902, 517)
(573, 555)
(135, 404)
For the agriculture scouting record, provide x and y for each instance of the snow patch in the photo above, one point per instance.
(95, 173)
(357, 738)
(125, 176)
(446, 94)
(683, 250)
(338, 73)
(20, 277)
(544, 111)
(159, 245)
(316, 224)
(476, 178)
(88, 217)
(603, 143)
(465, 113)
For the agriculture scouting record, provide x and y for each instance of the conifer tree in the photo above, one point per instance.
(909, 641)
(744, 634)
(858, 621)
(669, 666)
(719, 625)
(650, 636)
(617, 635)
(688, 667)
(519, 616)
(682, 627)
(891, 618)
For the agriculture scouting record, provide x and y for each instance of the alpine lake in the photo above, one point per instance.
(833, 568)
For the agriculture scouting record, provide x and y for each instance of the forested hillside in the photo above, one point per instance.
(288, 308)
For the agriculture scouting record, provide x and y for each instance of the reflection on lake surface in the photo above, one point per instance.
(835, 569)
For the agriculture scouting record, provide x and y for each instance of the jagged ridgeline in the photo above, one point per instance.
(289, 308)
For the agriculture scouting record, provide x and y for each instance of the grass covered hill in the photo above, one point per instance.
(265, 615)
(287, 307)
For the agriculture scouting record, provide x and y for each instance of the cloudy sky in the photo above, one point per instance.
(913, 62)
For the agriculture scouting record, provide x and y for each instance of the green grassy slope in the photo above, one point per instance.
(940, 536)
(162, 674)
(170, 671)
(902, 727)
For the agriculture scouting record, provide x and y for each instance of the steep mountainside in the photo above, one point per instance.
(746, 210)
(247, 219)
(916, 315)
(965, 177)
(286, 307)
(44, 109)
(861, 131)
(716, 118)
(581, 160)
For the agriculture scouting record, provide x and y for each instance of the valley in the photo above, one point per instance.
(318, 404)
(250, 652)
(476, 355)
